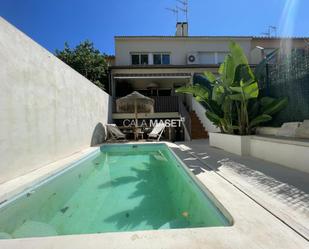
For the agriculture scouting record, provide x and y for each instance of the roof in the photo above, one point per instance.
(151, 75)
(211, 37)
(280, 38)
(167, 66)
(163, 66)
(181, 37)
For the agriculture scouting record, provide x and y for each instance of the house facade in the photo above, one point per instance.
(157, 65)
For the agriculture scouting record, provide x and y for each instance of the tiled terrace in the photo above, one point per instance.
(282, 191)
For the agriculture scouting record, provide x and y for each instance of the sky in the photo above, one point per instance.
(51, 23)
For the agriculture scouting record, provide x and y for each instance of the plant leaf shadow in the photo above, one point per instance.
(118, 181)
(154, 208)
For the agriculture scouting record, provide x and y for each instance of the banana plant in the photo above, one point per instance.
(262, 110)
(204, 95)
(234, 87)
(232, 101)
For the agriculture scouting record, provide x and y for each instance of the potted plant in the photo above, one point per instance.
(232, 102)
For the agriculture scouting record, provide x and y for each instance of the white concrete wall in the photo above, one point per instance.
(178, 47)
(239, 145)
(287, 152)
(47, 110)
(292, 154)
(200, 112)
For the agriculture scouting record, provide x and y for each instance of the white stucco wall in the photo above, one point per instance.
(200, 112)
(178, 47)
(47, 110)
(239, 145)
(292, 154)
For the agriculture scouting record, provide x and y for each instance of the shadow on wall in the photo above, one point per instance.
(98, 135)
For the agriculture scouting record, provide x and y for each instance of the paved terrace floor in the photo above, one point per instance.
(282, 191)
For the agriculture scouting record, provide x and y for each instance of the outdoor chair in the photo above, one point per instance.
(114, 132)
(138, 133)
(157, 131)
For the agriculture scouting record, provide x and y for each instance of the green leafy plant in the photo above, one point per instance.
(232, 99)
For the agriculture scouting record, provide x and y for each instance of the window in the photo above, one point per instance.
(161, 58)
(212, 57)
(135, 59)
(157, 59)
(139, 59)
(207, 58)
(165, 59)
(221, 57)
(144, 59)
(165, 92)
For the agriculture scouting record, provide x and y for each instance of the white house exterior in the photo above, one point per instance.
(157, 65)
(208, 50)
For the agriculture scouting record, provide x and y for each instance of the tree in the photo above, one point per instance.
(87, 60)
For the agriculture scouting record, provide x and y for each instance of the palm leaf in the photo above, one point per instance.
(210, 76)
(213, 117)
(275, 106)
(197, 90)
(259, 119)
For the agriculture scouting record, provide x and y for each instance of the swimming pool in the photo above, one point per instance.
(116, 188)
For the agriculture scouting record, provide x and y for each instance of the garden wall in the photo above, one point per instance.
(289, 77)
(48, 111)
(288, 152)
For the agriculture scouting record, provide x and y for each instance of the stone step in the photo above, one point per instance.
(197, 129)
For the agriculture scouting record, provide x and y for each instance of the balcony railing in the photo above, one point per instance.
(186, 115)
(169, 104)
(166, 103)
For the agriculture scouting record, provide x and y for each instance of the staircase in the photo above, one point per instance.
(197, 129)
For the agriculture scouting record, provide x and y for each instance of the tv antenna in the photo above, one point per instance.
(175, 12)
(306, 43)
(184, 7)
(271, 31)
(266, 33)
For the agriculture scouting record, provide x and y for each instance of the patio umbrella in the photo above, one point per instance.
(135, 103)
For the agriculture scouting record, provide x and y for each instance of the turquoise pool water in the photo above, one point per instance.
(117, 188)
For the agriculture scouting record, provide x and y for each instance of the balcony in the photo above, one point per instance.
(166, 103)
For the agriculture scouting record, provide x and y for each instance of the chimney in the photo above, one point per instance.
(182, 29)
(185, 29)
